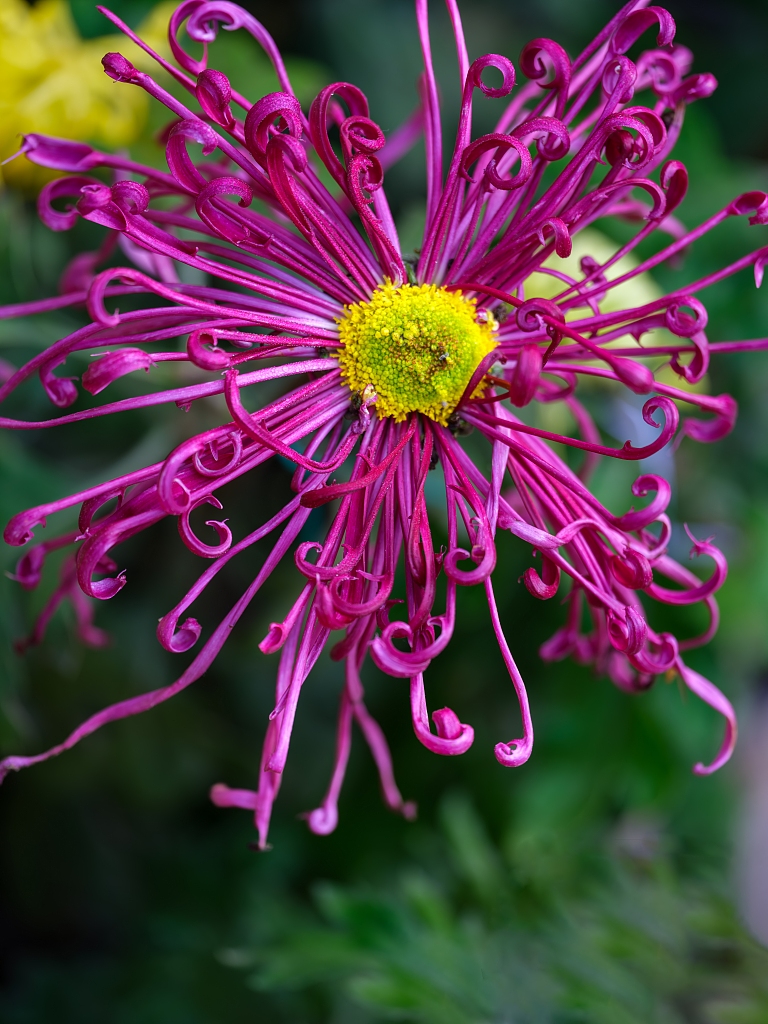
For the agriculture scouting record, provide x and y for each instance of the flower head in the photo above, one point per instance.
(415, 347)
(384, 362)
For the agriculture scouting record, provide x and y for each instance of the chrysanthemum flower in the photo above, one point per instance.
(387, 361)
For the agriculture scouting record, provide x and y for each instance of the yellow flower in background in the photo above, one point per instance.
(52, 82)
(635, 292)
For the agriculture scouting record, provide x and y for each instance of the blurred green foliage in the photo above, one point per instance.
(474, 940)
(592, 885)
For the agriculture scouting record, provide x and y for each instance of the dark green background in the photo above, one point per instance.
(594, 884)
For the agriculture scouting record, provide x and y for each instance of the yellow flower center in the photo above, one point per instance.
(416, 346)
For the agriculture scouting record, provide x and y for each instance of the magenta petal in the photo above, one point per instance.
(114, 365)
(710, 694)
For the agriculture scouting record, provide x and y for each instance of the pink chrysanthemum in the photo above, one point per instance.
(387, 361)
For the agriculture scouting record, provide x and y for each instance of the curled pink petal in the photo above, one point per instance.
(516, 752)
(180, 164)
(725, 409)
(201, 355)
(195, 545)
(58, 189)
(214, 94)
(632, 569)
(627, 634)
(275, 107)
(526, 376)
(101, 373)
(710, 694)
(644, 485)
(455, 738)
(634, 24)
(180, 639)
(543, 586)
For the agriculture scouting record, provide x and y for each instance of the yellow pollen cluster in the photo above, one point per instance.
(416, 346)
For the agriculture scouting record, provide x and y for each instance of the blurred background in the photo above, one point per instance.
(600, 883)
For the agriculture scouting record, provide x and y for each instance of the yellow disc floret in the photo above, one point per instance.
(416, 346)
